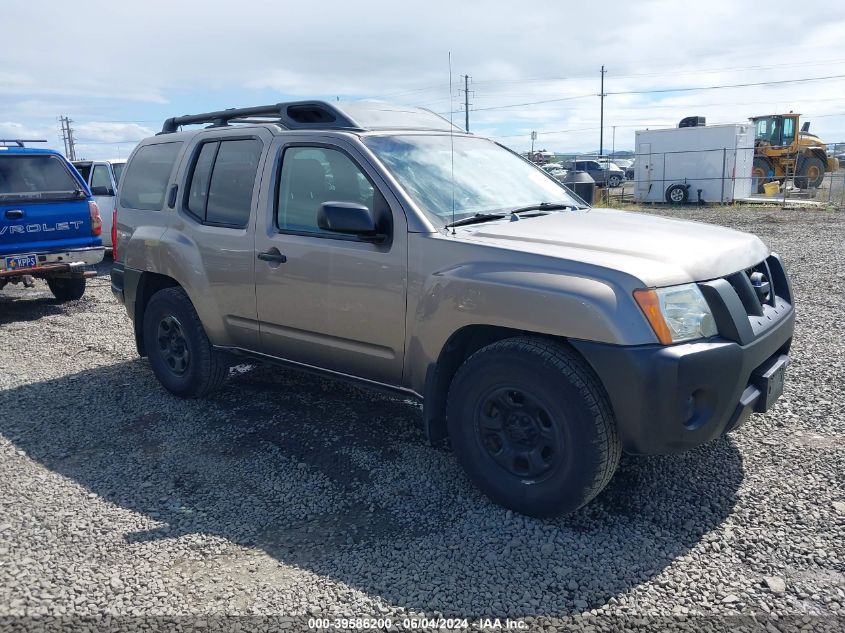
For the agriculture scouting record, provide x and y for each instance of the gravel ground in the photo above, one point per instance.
(292, 495)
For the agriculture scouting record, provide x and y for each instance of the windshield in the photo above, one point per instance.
(487, 177)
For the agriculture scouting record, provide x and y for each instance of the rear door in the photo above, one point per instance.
(43, 205)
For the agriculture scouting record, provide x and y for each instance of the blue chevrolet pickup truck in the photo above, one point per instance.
(50, 225)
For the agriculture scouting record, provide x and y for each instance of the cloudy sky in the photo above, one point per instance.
(119, 68)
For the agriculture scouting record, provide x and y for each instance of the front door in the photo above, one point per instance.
(329, 300)
(101, 179)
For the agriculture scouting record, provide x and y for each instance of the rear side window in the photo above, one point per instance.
(147, 175)
(118, 171)
(100, 177)
(36, 177)
(222, 181)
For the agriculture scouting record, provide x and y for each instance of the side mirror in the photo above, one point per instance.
(349, 218)
(102, 191)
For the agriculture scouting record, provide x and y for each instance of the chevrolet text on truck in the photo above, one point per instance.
(50, 225)
(378, 244)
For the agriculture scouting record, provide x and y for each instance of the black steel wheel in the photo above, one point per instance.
(518, 432)
(181, 355)
(172, 345)
(532, 426)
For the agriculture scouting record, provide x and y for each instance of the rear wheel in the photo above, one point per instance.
(810, 172)
(67, 289)
(760, 170)
(181, 356)
(532, 426)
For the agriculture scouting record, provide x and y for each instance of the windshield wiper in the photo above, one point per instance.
(546, 206)
(476, 219)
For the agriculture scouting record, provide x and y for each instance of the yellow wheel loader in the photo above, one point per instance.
(781, 151)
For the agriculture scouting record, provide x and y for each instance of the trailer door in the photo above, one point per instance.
(644, 170)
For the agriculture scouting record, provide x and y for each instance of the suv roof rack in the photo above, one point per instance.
(292, 115)
(18, 142)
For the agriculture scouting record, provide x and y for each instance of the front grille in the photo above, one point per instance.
(755, 288)
(760, 296)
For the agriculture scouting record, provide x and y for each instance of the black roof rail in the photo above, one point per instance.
(20, 141)
(292, 115)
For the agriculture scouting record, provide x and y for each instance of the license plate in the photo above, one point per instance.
(21, 261)
(770, 382)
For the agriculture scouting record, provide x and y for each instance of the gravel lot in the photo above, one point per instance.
(292, 495)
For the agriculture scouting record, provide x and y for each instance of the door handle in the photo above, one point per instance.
(273, 255)
(14, 214)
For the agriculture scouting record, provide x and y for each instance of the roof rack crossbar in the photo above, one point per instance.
(292, 115)
(20, 141)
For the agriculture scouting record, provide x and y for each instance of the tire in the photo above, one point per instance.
(67, 288)
(532, 426)
(178, 348)
(760, 170)
(677, 194)
(614, 181)
(810, 172)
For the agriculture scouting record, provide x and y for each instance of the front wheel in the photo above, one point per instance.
(67, 288)
(532, 426)
(181, 356)
(614, 181)
(810, 173)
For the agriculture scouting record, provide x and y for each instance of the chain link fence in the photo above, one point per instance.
(713, 175)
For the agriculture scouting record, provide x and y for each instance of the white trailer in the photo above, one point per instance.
(711, 163)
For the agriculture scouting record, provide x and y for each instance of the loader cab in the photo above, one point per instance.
(779, 130)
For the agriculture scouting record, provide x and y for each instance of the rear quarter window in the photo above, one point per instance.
(144, 184)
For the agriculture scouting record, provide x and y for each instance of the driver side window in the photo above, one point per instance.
(311, 176)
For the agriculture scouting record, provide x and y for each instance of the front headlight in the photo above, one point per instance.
(677, 313)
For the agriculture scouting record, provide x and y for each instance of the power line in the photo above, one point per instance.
(721, 86)
(664, 90)
(662, 73)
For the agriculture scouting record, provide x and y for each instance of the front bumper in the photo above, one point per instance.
(672, 398)
(58, 263)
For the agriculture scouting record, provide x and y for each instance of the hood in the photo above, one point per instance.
(658, 251)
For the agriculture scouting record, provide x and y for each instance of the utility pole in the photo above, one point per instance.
(601, 115)
(63, 132)
(533, 138)
(67, 137)
(466, 101)
(71, 144)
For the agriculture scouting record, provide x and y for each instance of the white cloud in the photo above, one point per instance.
(116, 62)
